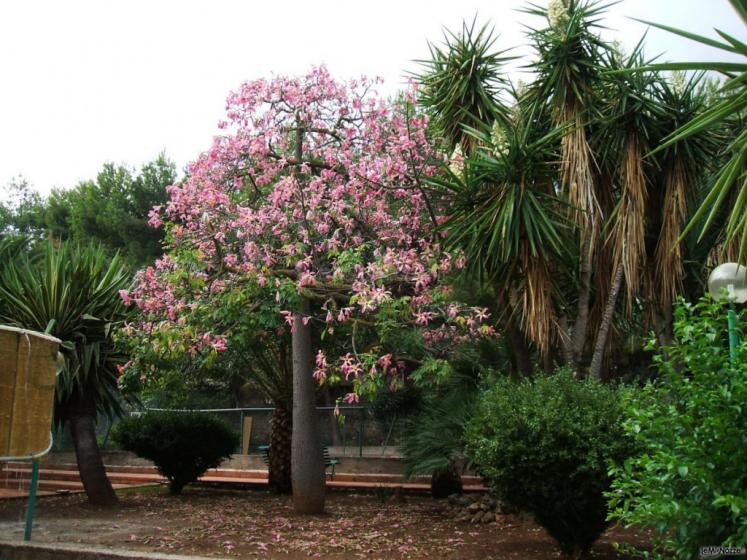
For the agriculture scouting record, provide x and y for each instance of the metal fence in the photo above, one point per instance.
(354, 429)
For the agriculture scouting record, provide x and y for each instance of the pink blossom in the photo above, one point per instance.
(288, 316)
(320, 373)
(125, 295)
(350, 220)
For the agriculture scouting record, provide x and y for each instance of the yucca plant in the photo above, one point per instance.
(682, 168)
(729, 187)
(681, 99)
(568, 67)
(628, 126)
(650, 193)
(72, 293)
(506, 217)
(11, 247)
(460, 85)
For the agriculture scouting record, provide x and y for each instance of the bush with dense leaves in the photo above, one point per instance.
(182, 445)
(544, 446)
(689, 482)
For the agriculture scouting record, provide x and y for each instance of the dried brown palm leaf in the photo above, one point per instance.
(577, 176)
(537, 303)
(629, 228)
(577, 182)
(668, 258)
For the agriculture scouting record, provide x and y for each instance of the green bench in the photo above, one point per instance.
(328, 461)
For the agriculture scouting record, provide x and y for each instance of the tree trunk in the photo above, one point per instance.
(90, 465)
(307, 458)
(548, 361)
(518, 342)
(584, 295)
(595, 369)
(565, 340)
(519, 348)
(445, 483)
(280, 451)
(664, 327)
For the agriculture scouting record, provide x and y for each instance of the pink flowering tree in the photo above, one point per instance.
(315, 194)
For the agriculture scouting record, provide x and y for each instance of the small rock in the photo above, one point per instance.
(477, 518)
(455, 499)
(473, 507)
(488, 517)
(504, 508)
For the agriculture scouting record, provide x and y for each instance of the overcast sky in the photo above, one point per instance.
(84, 83)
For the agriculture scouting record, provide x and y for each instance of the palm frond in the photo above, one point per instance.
(73, 294)
(730, 184)
(461, 82)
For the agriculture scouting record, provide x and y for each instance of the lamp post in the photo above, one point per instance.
(728, 281)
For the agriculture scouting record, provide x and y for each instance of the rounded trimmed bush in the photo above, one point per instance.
(182, 445)
(544, 446)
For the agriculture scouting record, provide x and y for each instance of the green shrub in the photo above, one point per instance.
(544, 446)
(689, 482)
(182, 445)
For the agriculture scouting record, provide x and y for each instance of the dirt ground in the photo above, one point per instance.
(257, 524)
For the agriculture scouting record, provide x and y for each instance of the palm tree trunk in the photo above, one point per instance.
(595, 369)
(663, 326)
(90, 464)
(582, 315)
(446, 482)
(548, 361)
(565, 341)
(280, 451)
(519, 348)
(307, 458)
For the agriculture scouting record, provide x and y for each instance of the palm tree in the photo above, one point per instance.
(263, 358)
(507, 218)
(72, 293)
(257, 352)
(433, 442)
(729, 188)
(502, 205)
(460, 86)
(568, 74)
(651, 194)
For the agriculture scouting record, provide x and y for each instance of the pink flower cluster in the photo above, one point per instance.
(315, 182)
(258, 202)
